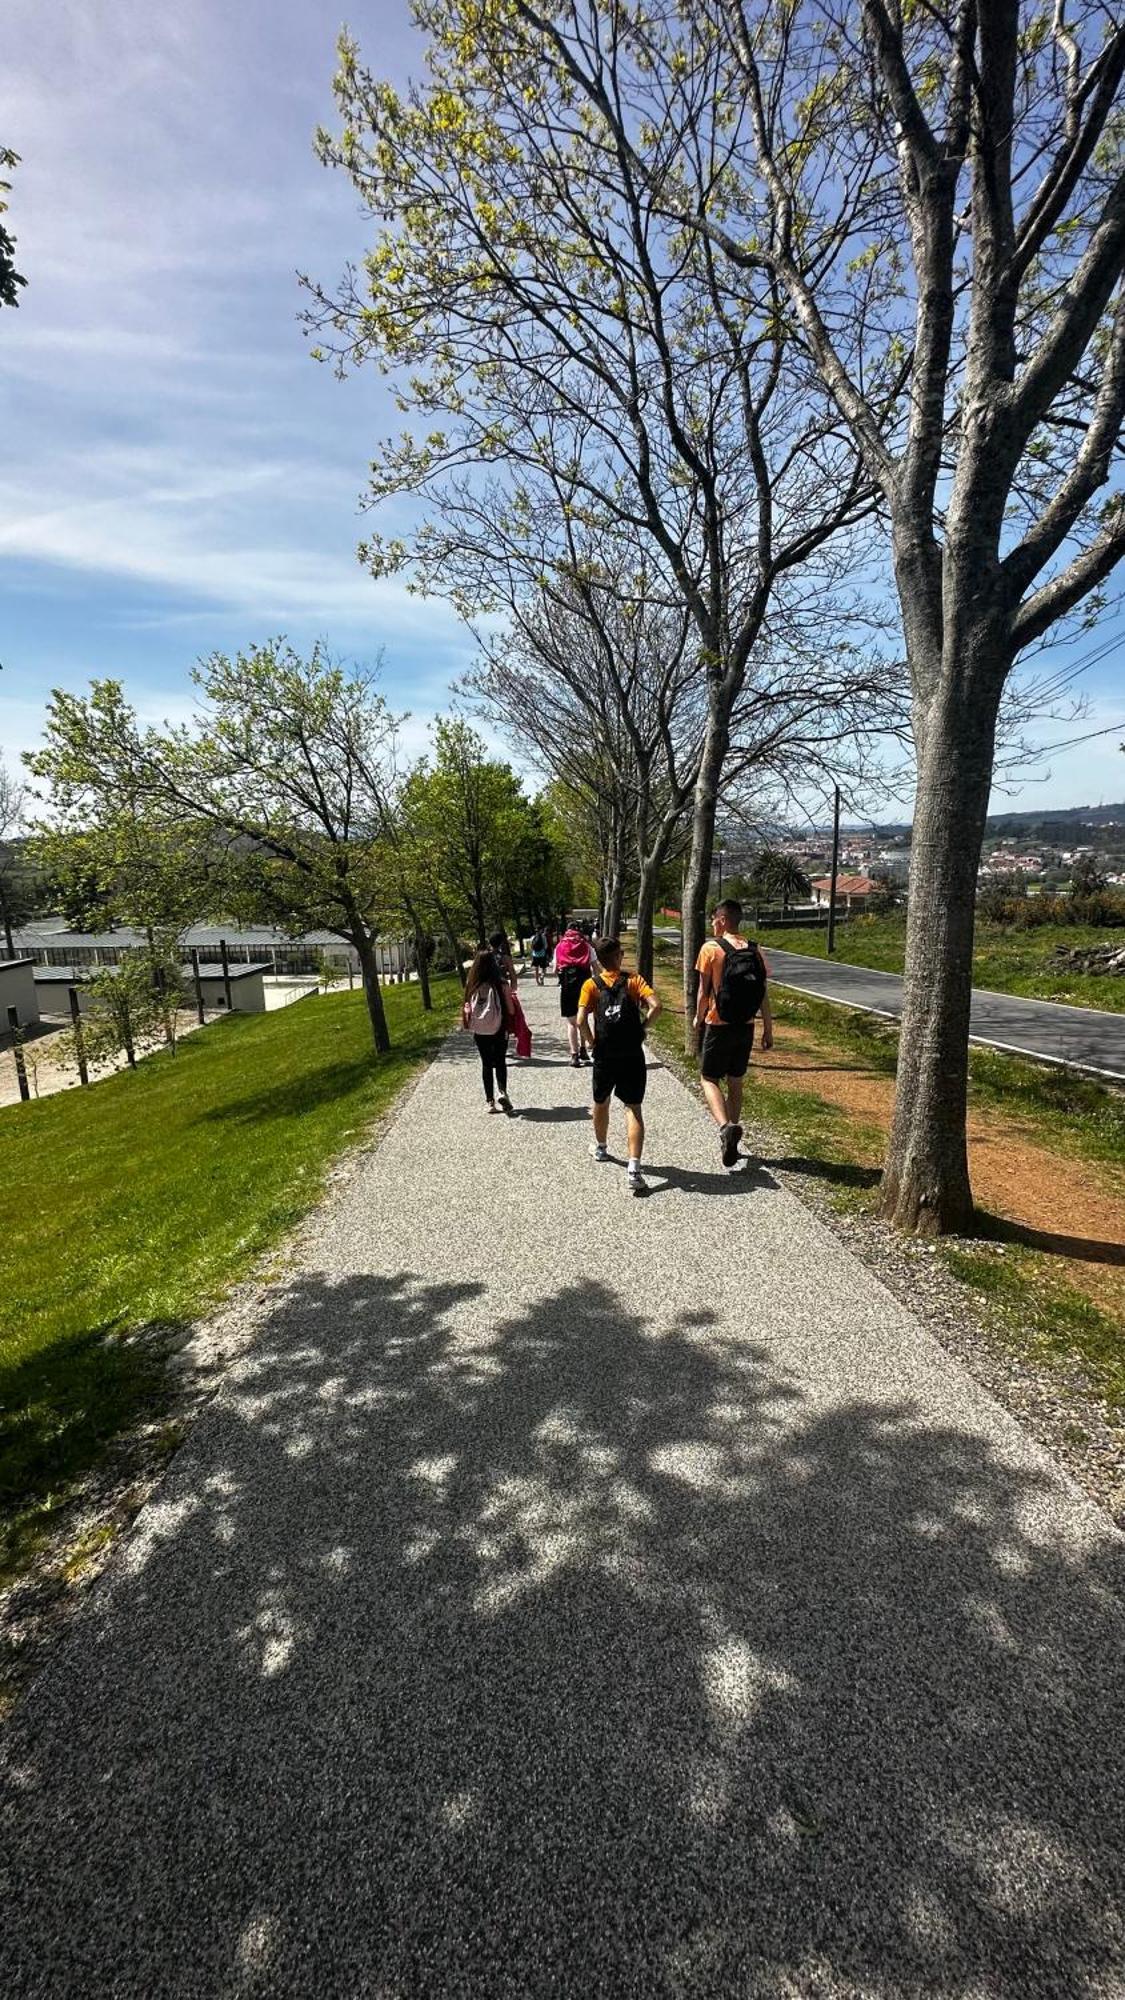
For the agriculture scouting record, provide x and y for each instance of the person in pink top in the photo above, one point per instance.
(574, 962)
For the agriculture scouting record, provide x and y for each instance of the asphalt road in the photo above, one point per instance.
(1078, 1036)
(572, 1595)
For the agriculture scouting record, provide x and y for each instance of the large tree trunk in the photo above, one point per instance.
(373, 994)
(8, 938)
(926, 1181)
(646, 914)
(615, 901)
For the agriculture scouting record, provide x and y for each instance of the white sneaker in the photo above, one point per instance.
(637, 1181)
(599, 1152)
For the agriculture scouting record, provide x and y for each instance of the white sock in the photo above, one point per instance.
(634, 1166)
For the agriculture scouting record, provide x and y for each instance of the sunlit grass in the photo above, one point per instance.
(133, 1204)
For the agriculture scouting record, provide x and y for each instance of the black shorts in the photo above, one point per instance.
(627, 1075)
(725, 1051)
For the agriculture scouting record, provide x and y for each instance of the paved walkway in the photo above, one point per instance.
(578, 1596)
(1080, 1037)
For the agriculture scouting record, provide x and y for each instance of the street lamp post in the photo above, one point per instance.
(835, 872)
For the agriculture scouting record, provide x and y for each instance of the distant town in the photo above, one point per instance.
(1042, 847)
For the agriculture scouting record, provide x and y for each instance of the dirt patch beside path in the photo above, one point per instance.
(1066, 1208)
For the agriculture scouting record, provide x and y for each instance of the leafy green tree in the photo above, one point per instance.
(110, 844)
(10, 279)
(775, 874)
(473, 825)
(1087, 878)
(18, 878)
(132, 1005)
(285, 785)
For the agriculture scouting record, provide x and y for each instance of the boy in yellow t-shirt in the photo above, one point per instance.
(618, 1005)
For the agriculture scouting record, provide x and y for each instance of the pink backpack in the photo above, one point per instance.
(485, 1012)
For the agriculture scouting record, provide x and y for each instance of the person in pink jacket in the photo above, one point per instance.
(574, 962)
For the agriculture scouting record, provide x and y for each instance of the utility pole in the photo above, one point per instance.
(835, 872)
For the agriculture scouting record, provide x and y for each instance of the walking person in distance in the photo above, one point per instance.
(487, 1014)
(619, 1006)
(540, 953)
(733, 989)
(574, 963)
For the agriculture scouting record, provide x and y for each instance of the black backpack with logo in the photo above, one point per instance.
(572, 979)
(743, 985)
(620, 1029)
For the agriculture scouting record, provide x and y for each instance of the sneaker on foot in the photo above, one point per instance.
(730, 1136)
(490, 1104)
(599, 1152)
(582, 1056)
(505, 1102)
(575, 1062)
(637, 1181)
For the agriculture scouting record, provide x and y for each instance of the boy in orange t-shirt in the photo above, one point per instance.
(726, 1045)
(619, 1005)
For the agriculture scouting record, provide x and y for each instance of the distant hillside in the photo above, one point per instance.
(1060, 820)
(1058, 817)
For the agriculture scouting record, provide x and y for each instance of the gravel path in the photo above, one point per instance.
(575, 1595)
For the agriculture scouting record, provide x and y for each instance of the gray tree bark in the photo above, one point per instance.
(372, 991)
(926, 1186)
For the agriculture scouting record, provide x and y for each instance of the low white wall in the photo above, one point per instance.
(247, 991)
(17, 989)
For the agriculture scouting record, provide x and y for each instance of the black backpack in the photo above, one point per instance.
(572, 979)
(743, 985)
(620, 1029)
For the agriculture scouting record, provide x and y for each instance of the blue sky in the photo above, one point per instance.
(176, 474)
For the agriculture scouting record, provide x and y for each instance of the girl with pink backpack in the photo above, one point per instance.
(487, 1014)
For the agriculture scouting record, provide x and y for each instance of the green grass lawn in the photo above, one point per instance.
(133, 1204)
(1004, 960)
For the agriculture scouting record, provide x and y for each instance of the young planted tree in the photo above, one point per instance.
(283, 783)
(558, 331)
(120, 854)
(939, 193)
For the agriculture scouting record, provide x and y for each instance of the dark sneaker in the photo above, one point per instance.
(730, 1136)
(505, 1102)
(575, 1062)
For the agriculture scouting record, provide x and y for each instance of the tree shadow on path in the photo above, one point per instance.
(571, 1653)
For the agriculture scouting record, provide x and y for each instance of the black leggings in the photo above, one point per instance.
(494, 1060)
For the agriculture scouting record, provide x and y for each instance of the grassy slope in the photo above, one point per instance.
(1004, 960)
(143, 1197)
